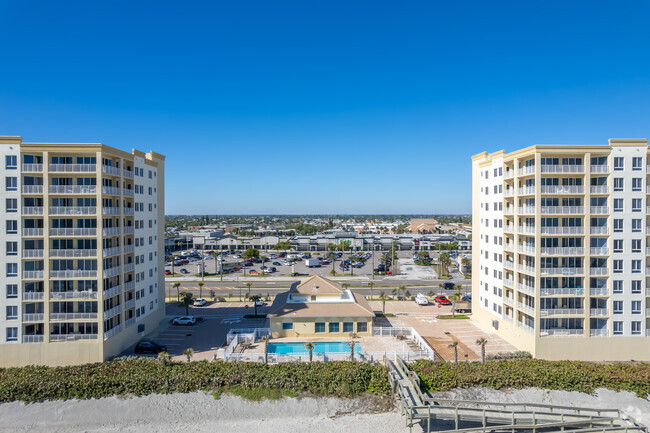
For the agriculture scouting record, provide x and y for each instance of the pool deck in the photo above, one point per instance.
(368, 344)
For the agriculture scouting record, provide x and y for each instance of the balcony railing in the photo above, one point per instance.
(113, 331)
(526, 229)
(128, 230)
(115, 290)
(509, 246)
(73, 189)
(73, 316)
(73, 232)
(599, 291)
(527, 190)
(562, 291)
(128, 173)
(604, 210)
(129, 322)
(563, 230)
(33, 210)
(113, 251)
(74, 273)
(73, 210)
(112, 312)
(562, 271)
(112, 190)
(526, 289)
(129, 248)
(74, 252)
(557, 332)
(32, 189)
(598, 332)
(508, 301)
(526, 171)
(509, 229)
(560, 189)
(27, 254)
(526, 268)
(509, 174)
(525, 327)
(74, 294)
(563, 168)
(526, 308)
(508, 282)
(109, 169)
(129, 285)
(598, 271)
(33, 296)
(599, 168)
(526, 249)
(599, 251)
(509, 192)
(598, 312)
(563, 210)
(33, 275)
(602, 230)
(128, 192)
(83, 168)
(562, 312)
(32, 338)
(32, 168)
(128, 210)
(72, 337)
(111, 211)
(508, 265)
(509, 210)
(599, 189)
(527, 210)
(110, 272)
(111, 231)
(33, 317)
(563, 251)
(128, 267)
(129, 304)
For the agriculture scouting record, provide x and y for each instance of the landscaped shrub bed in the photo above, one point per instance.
(147, 376)
(525, 373)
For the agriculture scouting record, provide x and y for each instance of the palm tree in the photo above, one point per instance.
(445, 261)
(466, 262)
(383, 298)
(163, 358)
(178, 290)
(266, 349)
(454, 346)
(401, 289)
(482, 342)
(393, 292)
(201, 289)
(248, 286)
(332, 257)
(263, 265)
(351, 346)
(186, 301)
(254, 299)
(189, 353)
(454, 298)
(371, 285)
(310, 346)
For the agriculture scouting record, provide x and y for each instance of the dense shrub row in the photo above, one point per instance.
(146, 376)
(524, 373)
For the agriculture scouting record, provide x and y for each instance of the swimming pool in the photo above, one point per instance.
(319, 348)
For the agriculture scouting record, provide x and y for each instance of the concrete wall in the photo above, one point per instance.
(305, 327)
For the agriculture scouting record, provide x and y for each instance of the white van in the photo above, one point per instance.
(421, 299)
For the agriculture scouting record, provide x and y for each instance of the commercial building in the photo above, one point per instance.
(81, 255)
(318, 307)
(561, 247)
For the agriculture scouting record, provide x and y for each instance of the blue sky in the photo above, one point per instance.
(323, 106)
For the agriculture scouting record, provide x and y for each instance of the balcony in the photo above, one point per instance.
(524, 171)
(73, 189)
(114, 251)
(526, 230)
(599, 168)
(562, 291)
(129, 285)
(70, 168)
(111, 211)
(32, 338)
(598, 332)
(128, 267)
(128, 230)
(509, 174)
(510, 192)
(32, 168)
(33, 275)
(508, 282)
(508, 265)
(527, 190)
(129, 304)
(599, 291)
(598, 271)
(560, 189)
(509, 246)
(598, 312)
(563, 210)
(599, 251)
(28, 254)
(110, 272)
(527, 210)
(509, 210)
(74, 294)
(526, 249)
(526, 268)
(33, 317)
(112, 312)
(599, 210)
(129, 322)
(563, 168)
(563, 271)
(111, 231)
(525, 327)
(113, 331)
(109, 169)
(562, 312)
(128, 211)
(71, 337)
(33, 210)
(74, 273)
(599, 189)
(129, 248)
(128, 173)
(602, 230)
(73, 316)
(557, 332)
(509, 229)
(74, 252)
(73, 232)
(32, 189)
(33, 296)
(73, 210)
(128, 192)
(508, 301)
(115, 290)
(507, 318)
(563, 230)
(111, 190)
(525, 288)
(563, 251)
(526, 308)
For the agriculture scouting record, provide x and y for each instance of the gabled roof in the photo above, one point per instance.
(317, 285)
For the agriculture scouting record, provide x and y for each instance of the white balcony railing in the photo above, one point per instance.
(527, 210)
(604, 210)
(74, 294)
(112, 312)
(603, 230)
(115, 290)
(73, 316)
(74, 252)
(598, 312)
(562, 312)
(113, 251)
(599, 291)
(83, 168)
(599, 251)
(113, 331)
(525, 327)
(563, 251)
(32, 168)
(73, 189)
(32, 189)
(563, 168)
(562, 291)
(33, 296)
(128, 192)
(526, 249)
(599, 168)
(73, 232)
(33, 232)
(526, 229)
(129, 285)
(128, 230)
(598, 332)
(28, 254)
(526, 268)
(110, 272)
(599, 189)
(526, 171)
(526, 190)
(508, 282)
(74, 273)
(112, 190)
(508, 265)
(111, 231)
(129, 322)
(562, 271)
(509, 229)
(33, 275)
(558, 332)
(526, 289)
(560, 189)
(526, 308)
(509, 174)
(128, 173)
(508, 301)
(33, 210)
(598, 271)
(563, 230)
(111, 210)
(72, 337)
(129, 248)
(32, 338)
(128, 267)
(563, 210)
(33, 317)
(128, 210)
(129, 304)
(108, 169)
(73, 210)
(509, 192)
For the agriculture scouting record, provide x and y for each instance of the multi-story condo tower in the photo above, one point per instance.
(561, 249)
(81, 251)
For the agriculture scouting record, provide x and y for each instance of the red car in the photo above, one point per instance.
(441, 299)
(168, 272)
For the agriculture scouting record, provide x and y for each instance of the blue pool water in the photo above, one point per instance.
(319, 348)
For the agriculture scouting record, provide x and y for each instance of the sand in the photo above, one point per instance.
(199, 412)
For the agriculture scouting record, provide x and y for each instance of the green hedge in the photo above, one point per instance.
(525, 373)
(146, 376)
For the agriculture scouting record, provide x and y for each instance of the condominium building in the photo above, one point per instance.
(561, 249)
(81, 251)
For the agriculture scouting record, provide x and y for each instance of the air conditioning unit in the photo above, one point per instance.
(495, 324)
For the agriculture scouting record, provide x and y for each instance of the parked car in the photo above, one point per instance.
(184, 271)
(325, 262)
(248, 263)
(442, 299)
(260, 302)
(467, 298)
(184, 320)
(149, 346)
(421, 299)
(448, 285)
(199, 302)
(168, 272)
(277, 264)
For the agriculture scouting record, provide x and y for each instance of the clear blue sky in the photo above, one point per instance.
(323, 106)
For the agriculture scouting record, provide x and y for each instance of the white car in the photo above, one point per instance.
(199, 302)
(184, 320)
(260, 302)
(421, 299)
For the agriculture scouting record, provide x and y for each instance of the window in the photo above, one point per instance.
(618, 286)
(636, 266)
(637, 163)
(618, 184)
(12, 269)
(11, 162)
(12, 290)
(636, 328)
(636, 307)
(618, 225)
(636, 286)
(288, 325)
(348, 326)
(636, 245)
(636, 205)
(12, 334)
(618, 205)
(12, 248)
(362, 326)
(12, 205)
(618, 163)
(12, 312)
(333, 327)
(636, 225)
(637, 183)
(618, 266)
(618, 245)
(618, 328)
(319, 327)
(618, 307)
(11, 183)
